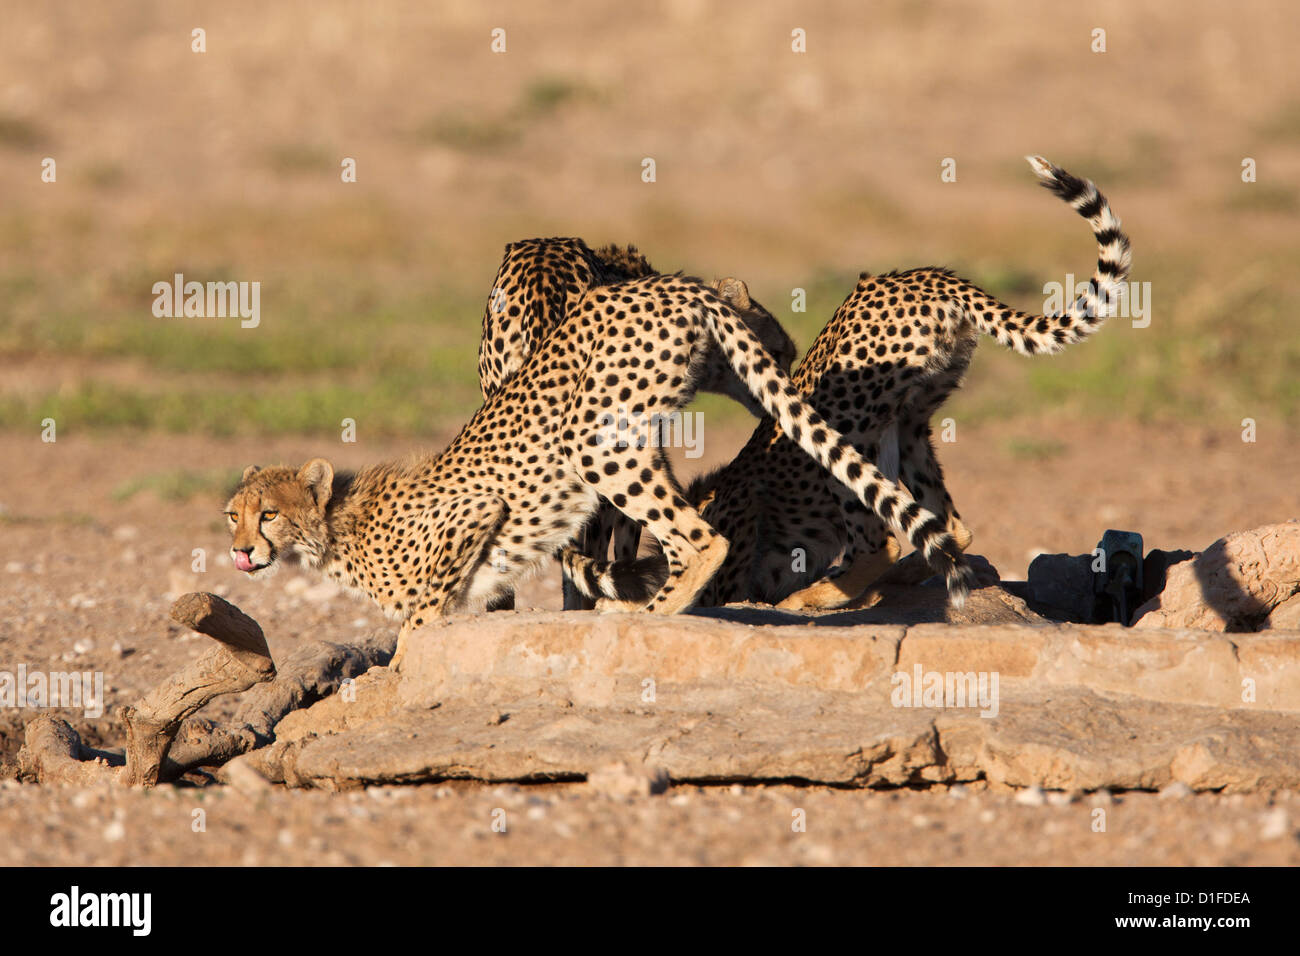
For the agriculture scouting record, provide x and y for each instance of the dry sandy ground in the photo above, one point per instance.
(564, 825)
(88, 579)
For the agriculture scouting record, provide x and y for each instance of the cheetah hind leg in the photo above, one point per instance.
(686, 579)
(593, 542)
(694, 551)
(626, 537)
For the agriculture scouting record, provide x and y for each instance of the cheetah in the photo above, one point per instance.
(438, 533)
(537, 282)
(540, 279)
(888, 358)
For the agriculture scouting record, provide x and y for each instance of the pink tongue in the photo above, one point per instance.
(242, 562)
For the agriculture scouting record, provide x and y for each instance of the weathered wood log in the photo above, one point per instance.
(52, 752)
(241, 661)
(165, 740)
(309, 674)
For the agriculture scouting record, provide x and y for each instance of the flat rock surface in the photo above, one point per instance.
(546, 697)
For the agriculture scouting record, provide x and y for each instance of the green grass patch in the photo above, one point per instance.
(1262, 197)
(294, 159)
(179, 484)
(20, 133)
(1035, 449)
(485, 132)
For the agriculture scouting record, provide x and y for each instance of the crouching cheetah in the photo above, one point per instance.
(430, 535)
(537, 283)
(890, 355)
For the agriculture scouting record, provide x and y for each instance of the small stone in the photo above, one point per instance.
(1176, 791)
(297, 585)
(319, 593)
(83, 646)
(181, 582)
(114, 832)
(623, 780)
(1275, 824)
(1031, 796)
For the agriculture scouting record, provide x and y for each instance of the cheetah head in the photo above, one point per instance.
(718, 375)
(278, 512)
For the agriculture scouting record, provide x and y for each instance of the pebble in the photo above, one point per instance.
(1274, 824)
(1031, 796)
(1176, 791)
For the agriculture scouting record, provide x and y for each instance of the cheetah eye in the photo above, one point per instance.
(232, 516)
(270, 515)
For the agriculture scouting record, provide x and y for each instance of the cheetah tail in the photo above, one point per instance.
(768, 383)
(637, 580)
(1037, 334)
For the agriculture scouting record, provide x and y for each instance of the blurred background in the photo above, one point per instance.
(790, 170)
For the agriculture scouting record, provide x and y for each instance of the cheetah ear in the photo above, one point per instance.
(735, 292)
(318, 476)
(249, 472)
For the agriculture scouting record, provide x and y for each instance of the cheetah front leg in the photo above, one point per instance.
(460, 543)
